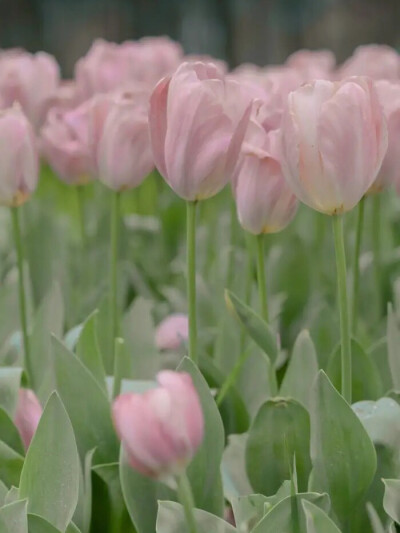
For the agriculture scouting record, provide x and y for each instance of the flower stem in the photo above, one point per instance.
(191, 277)
(21, 291)
(114, 238)
(343, 306)
(356, 263)
(230, 273)
(376, 247)
(185, 496)
(262, 285)
(80, 202)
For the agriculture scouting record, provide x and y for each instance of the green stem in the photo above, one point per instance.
(185, 496)
(80, 201)
(231, 258)
(262, 284)
(191, 277)
(248, 287)
(21, 291)
(114, 238)
(118, 366)
(356, 263)
(376, 246)
(343, 306)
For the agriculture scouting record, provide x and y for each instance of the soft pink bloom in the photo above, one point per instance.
(195, 138)
(19, 161)
(64, 97)
(30, 80)
(264, 201)
(172, 332)
(334, 139)
(377, 61)
(162, 428)
(389, 174)
(205, 58)
(313, 64)
(27, 415)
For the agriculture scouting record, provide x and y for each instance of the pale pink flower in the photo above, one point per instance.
(27, 415)
(172, 332)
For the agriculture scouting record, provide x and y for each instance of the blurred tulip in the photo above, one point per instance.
(377, 61)
(19, 158)
(334, 139)
(313, 64)
(195, 140)
(30, 80)
(27, 415)
(161, 429)
(172, 332)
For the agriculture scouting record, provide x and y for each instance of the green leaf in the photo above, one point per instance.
(391, 500)
(317, 521)
(393, 341)
(374, 519)
(3, 493)
(87, 406)
(234, 473)
(83, 511)
(87, 350)
(288, 516)
(10, 380)
(366, 381)
(11, 464)
(171, 519)
(13, 518)
(256, 327)
(204, 471)
(304, 363)
(52, 463)
(9, 433)
(343, 456)
(37, 524)
(280, 431)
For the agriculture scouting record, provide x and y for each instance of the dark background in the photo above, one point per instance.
(260, 31)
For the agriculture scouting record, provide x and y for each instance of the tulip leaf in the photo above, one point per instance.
(342, 453)
(3, 493)
(256, 327)
(87, 406)
(11, 464)
(234, 473)
(37, 524)
(393, 342)
(88, 351)
(374, 519)
(9, 433)
(52, 464)
(301, 370)
(10, 379)
(171, 519)
(317, 520)
(391, 500)
(13, 517)
(280, 431)
(83, 511)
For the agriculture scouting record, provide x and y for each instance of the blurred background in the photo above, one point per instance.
(259, 31)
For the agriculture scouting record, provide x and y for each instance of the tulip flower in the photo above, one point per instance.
(172, 332)
(377, 61)
(27, 415)
(30, 80)
(313, 64)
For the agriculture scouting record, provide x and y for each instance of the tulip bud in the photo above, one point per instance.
(376, 61)
(194, 138)
(172, 332)
(334, 139)
(161, 429)
(19, 158)
(27, 415)
(313, 64)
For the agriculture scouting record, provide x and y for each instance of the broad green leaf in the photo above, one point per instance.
(37, 524)
(171, 519)
(10, 379)
(73, 528)
(3, 493)
(366, 381)
(342, 453)
(12, 495)
(13, 518)
(317, 520)
(391, 500)
(11, 464)
(87, 406)
(255, 326)
(234, 473)
(301, 370)
(288, 516)
(9, 433)
(374, 519)
(393, 341)
(204, 470)
(88, 351)
(280, 431)
(52, 463)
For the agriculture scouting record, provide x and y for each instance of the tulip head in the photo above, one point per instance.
(333, 141)
(161, 429)
(27, 415)
(172, 332)
(377, 61)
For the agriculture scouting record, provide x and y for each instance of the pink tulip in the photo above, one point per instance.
(30, 80)
(334, 139)
(19, 165)
(377, 61)
(194, 137)
(264, 201)
(27, 415)
(389, 174)
(172, 332)
(313, 64)
(162, 428)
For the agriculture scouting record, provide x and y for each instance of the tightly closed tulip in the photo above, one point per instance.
(334, 139)
(172, 332)
(377, 61)
(30, 80)
(19, 158)
(161, 429)
(313, 64)
(194, 139)
(27, 415)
